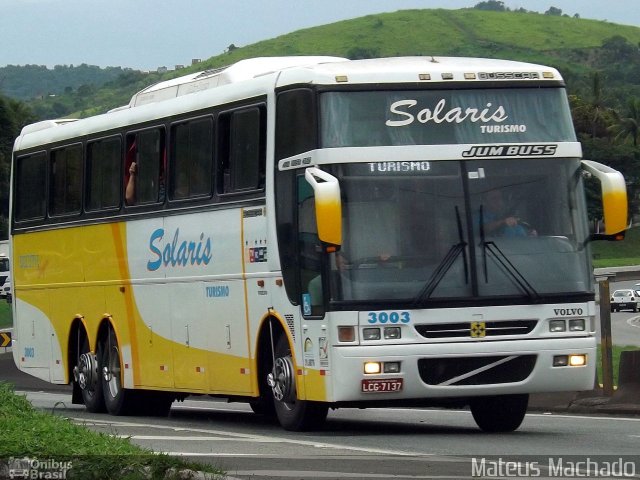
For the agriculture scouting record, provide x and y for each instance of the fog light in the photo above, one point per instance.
(392, 332)
(577, 325)
(391, 367)
(560, 361)
(557, 326)
(577, 360)
(371, 334)
(346, 334)
(372, 368)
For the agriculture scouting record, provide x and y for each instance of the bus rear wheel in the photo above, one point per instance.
(293, 414)
(117, 399)
(502, 413)
(87, 376)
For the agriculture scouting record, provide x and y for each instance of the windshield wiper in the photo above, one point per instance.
(446, 263)
(513, 273)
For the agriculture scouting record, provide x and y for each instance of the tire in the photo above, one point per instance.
(117, 399)
(293, 414)
(503, 413)
(92, 397)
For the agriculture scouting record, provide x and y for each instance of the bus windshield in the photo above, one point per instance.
(437, 117)
(421, 232)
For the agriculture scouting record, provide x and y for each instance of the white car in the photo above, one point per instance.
(626, 299)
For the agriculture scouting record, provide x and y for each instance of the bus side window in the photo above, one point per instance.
(30, 187)
(103, 173)
(145, 182)
(192, 159)
(65, 183)
(242, 150)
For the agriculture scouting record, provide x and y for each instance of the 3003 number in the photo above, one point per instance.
(389, 317)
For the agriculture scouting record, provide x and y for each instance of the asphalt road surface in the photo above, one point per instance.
(365, 444)
(355, 444)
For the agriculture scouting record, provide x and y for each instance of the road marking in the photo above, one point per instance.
(315, 474)
(584, 417)
(194, 438)
(213, 454)
(634, 322)
(257, 438)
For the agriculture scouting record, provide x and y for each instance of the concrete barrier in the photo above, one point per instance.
(628, 378)
(629, 368)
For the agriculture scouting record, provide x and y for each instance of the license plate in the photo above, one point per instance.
(381, 385)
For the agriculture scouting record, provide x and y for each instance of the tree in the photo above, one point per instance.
(360, 53)
(591, 114)
(554, 11)
(627, 126)
(618, 47)
(492, 5)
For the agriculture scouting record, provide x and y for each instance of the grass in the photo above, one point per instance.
(5, 314)
(29, 433)
(618, 254)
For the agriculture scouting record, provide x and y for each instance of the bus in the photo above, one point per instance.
(5, 270)
(311, 233)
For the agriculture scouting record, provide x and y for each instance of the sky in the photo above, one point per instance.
(147, 34)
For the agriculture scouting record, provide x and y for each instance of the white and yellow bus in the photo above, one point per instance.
(309, 233)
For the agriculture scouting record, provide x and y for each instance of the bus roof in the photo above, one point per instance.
(258, 76)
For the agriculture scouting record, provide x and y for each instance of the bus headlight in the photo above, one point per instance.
(577, 360)
(573, 360)
(557, 326)
(391, 332)
(391, 367)
(577, 325)
(371, 334)
(372, 368)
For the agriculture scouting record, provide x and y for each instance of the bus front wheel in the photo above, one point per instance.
(293, 414)
(502, 413)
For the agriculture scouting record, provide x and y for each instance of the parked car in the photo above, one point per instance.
(626, 299)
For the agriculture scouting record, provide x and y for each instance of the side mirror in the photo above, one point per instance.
(614, 198)
(326, 189)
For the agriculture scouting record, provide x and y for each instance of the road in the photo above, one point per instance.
(363, 444)
(625, 325)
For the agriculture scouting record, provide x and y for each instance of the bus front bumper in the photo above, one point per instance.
(427, 371)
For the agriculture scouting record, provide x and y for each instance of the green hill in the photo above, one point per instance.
(577, 47)
(30, 81)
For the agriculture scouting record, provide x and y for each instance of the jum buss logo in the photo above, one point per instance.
(177, 253)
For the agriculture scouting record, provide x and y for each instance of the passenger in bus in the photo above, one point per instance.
(130, 190)
(130, 193)
(497, 220)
